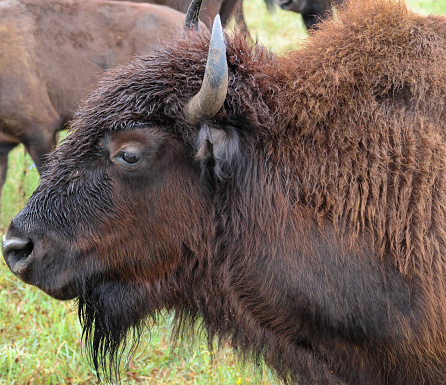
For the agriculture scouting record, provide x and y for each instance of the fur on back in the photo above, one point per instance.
(366, 98)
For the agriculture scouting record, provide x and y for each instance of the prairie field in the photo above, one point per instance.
(40, 338)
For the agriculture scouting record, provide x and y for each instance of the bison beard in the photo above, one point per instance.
(108, 312)
(114, 314)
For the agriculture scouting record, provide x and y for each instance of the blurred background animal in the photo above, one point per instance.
(312, 11)
(51, 53)
(225, 8)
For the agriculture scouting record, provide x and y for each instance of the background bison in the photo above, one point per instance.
(51, 53)
(225, 8)
(312, 11)
(304, 221)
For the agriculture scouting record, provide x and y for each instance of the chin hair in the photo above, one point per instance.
(112, 315)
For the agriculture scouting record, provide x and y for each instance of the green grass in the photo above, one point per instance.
(280, 31)
(41, 344)
(40, 337)
(426, 7)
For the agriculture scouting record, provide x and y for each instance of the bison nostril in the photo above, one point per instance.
(16, 252)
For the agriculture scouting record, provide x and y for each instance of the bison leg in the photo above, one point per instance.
(5, 148)
(233, 8)
(36, 128)
(39, 146)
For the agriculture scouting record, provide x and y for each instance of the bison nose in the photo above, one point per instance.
(16, 252)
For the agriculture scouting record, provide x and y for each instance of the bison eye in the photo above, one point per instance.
(128, 159)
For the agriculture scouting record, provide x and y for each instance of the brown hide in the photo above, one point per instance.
(51, 54)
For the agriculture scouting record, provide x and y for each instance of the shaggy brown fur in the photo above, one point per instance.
(305, 222)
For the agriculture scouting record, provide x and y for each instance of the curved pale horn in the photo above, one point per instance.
(208, 101)
(192, 15)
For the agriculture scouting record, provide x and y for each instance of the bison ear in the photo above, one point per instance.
(217, 151)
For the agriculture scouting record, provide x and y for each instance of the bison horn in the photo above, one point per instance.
(193, 12)
(208, 101)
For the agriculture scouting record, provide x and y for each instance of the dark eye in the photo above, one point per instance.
(128, 159)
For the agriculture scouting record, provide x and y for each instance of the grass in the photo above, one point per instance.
(40, 338)
(426, 7)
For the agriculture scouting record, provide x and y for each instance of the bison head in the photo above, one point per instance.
(312, 11)
(125, 203)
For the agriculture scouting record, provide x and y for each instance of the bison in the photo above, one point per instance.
(225, 8)
(292, 205)
(312, 11)
(51, 53)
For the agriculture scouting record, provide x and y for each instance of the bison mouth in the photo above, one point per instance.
(64, 293)
(60, 286)
(49, 271)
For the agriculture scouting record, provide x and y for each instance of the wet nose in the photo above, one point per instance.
(17, 252)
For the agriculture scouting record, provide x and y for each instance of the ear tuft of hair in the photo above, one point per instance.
(218, 151)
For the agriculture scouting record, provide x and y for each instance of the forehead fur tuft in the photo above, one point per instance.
(154, 88)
